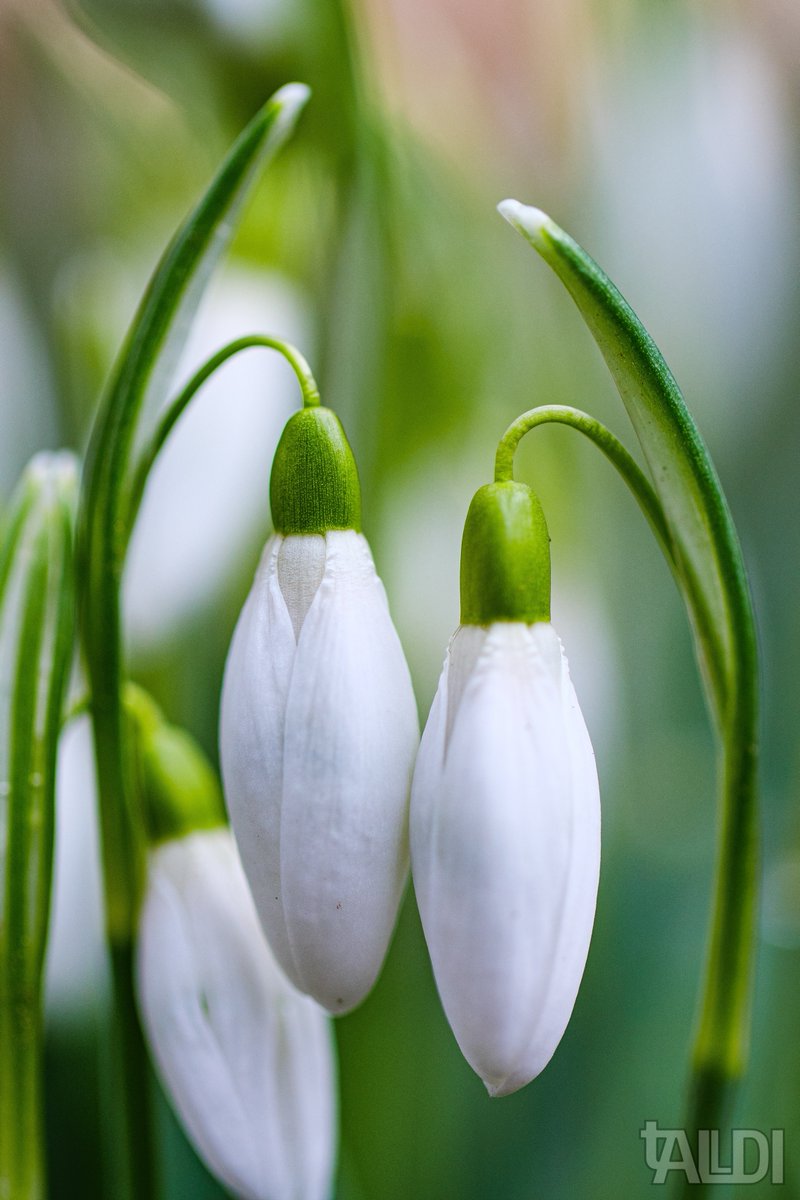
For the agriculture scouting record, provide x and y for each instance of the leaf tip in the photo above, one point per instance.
(530, 222)
(289, 100)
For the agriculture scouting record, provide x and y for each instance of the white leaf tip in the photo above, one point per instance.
(529, 221)
(292, 96)
(282, 111)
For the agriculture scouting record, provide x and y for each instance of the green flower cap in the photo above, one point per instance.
(314, 483)
(179, 788)
(505, 557)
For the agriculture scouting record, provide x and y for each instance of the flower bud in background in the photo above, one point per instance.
(318, 728)
(247, 1062)
(505, 812)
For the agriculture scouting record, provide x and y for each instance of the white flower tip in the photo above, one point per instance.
(530, 222)
(509, 1085)
(497, 1090)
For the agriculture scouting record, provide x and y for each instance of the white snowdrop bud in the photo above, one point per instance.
(318, 728)
(505, 811)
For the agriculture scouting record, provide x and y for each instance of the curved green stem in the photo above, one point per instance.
(605, 440)
(176, 407)
(638, 483)
(643, 492)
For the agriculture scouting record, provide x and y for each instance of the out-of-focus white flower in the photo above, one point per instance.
(505, 846)
(700, 118)
(203, 506)
(318, 735)
(246, 1060)
(23, 372)
(252, 23)
(76, 966)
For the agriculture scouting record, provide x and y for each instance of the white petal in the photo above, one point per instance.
(317, 739)
(505, 849)
(462, 654)
(351, 737)
(252, 723)
(76, 969)
(580, 897)
(301, 566)
(246, 1060)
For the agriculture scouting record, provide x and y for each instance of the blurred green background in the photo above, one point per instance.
(665, 138)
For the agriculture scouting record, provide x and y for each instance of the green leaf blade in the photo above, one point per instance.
(36, 644)
(132, 399)
(711, 573)
(704, 538)
(36, 649)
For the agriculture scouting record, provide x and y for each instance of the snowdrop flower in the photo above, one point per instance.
(246, 1060)
(318, 728)
(505, 815)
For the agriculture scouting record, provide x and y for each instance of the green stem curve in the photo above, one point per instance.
(176, 407)
(604, 439)
(639, 485)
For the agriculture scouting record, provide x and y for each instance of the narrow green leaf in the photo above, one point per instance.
(36, 645)
(710, 570)
(135, 393)
(705, 543)
(126, 420)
